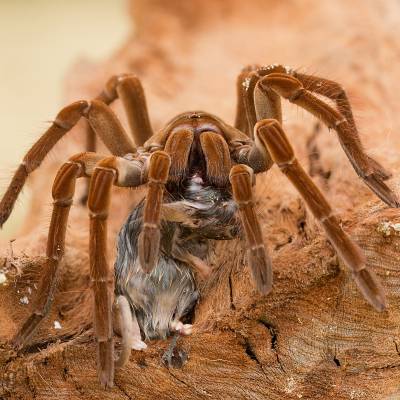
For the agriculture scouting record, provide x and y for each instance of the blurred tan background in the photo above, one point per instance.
(38, 47)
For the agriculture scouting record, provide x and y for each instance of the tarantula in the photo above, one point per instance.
(200, 175)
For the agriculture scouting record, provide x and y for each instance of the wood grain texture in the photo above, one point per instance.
(313, 336)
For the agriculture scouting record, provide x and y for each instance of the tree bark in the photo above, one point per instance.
(314, 336)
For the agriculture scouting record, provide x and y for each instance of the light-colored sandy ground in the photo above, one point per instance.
(38, 47)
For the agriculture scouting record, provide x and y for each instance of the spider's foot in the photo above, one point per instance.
(381, 171)
(261, 268)
(376, 184)
(23, 335)
(138, 344)
(374, 176)
(371, 288)
(17, 343)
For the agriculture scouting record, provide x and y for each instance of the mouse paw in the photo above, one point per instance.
(138, 344)
(183, 329)
(186, 330)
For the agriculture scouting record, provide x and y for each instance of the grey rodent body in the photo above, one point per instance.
(170, 291)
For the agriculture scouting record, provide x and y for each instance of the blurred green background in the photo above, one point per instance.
(39, 41)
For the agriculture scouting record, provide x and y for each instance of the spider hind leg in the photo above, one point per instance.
(273, 137)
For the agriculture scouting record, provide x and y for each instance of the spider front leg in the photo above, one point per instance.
(149, 238)
(273, 137)
(337, 94)
(63, 192)
(254, 104)
(108, 172)
(342, 122)
(129, 89)
(128, 173)
(102, 120)
(241, 178)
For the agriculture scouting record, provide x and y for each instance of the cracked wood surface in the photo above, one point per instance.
(314, 336)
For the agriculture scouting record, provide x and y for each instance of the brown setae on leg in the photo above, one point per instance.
(63, 192)
(341, 120)
(271, 134)
(241, 178)
(102, 120)
(149, 238)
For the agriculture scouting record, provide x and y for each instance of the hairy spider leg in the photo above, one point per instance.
(242, 179)
(149, 238)
(272, 135)
(105, 172)
(249, 95)
(337, 94)
(369, 170)
(78, 166)
(102, 120)
(108, 172)
(129, 89)
(257, 88)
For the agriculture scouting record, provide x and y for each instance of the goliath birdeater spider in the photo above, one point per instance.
(208, 168)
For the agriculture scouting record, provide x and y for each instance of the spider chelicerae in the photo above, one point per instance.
(200, 175)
